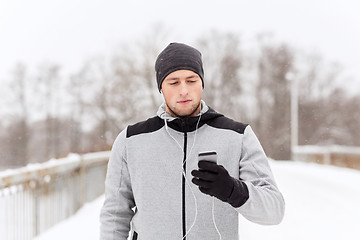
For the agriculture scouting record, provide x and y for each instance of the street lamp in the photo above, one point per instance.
(294, 113)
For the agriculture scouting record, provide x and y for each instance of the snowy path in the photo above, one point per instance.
(322, 202)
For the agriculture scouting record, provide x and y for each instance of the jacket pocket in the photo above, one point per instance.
(135, 236)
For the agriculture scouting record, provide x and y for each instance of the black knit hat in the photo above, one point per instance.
(178, 56)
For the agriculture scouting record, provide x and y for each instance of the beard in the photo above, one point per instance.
(174, 112)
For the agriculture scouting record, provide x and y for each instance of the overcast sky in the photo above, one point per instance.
(69, 31)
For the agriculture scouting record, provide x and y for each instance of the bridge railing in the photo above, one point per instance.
(342, 156)
(36, 197)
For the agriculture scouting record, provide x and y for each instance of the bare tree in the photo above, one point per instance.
(96, 73)
(223, 64)
(323, 105)
(110, 94)
(81, 88)
(351, 123)
(4, 155)
(273, 96)
(18, 131)
(149, 48)
(128, 91)
(48, 87)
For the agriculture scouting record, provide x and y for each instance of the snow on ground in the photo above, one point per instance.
(322, 202)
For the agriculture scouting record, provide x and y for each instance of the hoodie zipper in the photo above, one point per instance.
(183, 180)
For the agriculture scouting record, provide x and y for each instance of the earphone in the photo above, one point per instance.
(192, 192)
(163, 97)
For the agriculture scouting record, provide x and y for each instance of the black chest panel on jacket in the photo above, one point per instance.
(187, 124)
(148, 126)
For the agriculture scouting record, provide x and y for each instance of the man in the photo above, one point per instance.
(155, 186)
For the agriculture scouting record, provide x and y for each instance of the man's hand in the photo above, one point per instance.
(215, 180)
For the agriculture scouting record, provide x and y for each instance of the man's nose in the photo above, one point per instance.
(184, 89)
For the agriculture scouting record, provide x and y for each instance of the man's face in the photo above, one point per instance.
(182, 92)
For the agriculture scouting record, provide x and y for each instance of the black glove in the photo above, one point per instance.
(215, 180)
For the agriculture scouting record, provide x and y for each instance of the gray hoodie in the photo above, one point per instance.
(147, 194)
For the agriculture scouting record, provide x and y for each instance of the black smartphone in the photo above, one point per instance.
(209, 156)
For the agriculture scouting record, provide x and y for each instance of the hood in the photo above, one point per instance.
(188, 124)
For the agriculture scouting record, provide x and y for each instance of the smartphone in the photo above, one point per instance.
(209, 156)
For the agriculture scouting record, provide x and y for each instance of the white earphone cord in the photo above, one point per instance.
(187, 182)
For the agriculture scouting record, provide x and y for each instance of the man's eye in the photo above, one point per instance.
(192, 81)
(173, 83)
